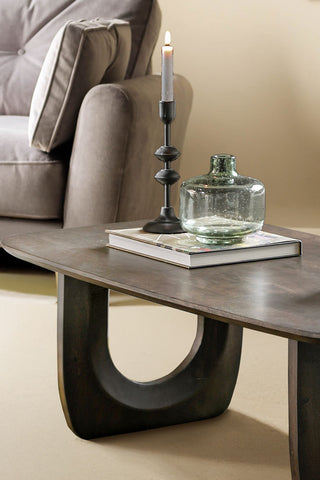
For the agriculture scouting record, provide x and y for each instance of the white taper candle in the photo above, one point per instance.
(167, 70)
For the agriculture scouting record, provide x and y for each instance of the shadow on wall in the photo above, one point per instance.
(255, 71)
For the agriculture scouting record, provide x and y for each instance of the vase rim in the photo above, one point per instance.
(223, 156)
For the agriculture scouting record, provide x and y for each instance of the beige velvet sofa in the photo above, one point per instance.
(105, 172)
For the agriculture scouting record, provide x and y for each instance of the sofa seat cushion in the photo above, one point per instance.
(32, 183)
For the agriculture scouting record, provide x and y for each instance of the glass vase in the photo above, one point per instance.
(222, 207)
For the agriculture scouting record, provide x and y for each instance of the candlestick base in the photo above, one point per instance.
(167, 222)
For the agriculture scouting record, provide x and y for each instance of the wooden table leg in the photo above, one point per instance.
(304, 410)
(98, 400)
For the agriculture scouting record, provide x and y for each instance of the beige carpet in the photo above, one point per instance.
(249, 441)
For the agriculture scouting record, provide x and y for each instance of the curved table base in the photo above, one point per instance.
(98, 400)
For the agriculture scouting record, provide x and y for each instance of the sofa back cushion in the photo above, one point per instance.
(27, 29)
(80, 55)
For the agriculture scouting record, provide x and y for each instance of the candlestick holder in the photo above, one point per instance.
(167, 222)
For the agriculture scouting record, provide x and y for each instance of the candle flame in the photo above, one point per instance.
(167, 38)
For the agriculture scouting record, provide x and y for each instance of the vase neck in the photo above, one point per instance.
(223, 165)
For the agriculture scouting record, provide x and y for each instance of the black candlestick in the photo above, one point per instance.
(167, 222)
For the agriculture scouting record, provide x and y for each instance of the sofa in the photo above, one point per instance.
(103, 172)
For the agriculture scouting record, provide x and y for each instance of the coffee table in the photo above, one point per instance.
(280, 296)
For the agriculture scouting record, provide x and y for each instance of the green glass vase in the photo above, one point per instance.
(222, 207)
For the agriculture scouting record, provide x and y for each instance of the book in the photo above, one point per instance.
(184, 250)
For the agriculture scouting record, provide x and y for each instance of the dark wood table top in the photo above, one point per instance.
(279, 296)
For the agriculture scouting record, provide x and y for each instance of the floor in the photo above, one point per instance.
(249, 441)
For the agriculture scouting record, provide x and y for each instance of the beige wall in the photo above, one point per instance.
(255, 71)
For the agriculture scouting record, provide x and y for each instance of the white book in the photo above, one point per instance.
(184, 250)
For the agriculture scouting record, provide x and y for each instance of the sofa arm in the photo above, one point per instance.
(112, 163)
